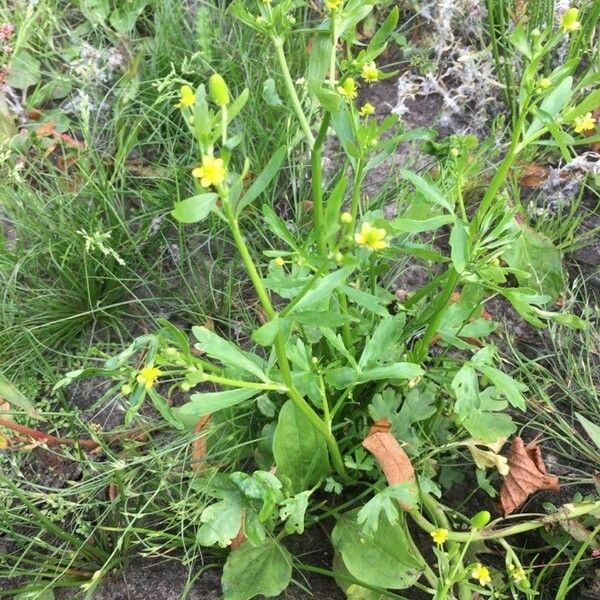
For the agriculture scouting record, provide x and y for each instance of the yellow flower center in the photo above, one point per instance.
(148, 376)
(370, 237)
(187, 97)
(333, 4)
(370, 72)
(584, 123)
(211, 172)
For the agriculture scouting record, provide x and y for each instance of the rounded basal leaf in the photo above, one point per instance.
(300, 451)
(384, 560)
(250, 571)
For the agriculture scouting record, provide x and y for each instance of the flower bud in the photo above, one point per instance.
(481, 519)
(219, 92)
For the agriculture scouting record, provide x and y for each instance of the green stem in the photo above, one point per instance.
(279, 344)
(317, 185)
(440, 310)
(240, 383)
(358, 176)
(493, 534)
(291, 90)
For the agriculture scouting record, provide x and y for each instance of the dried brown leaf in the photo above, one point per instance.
(527, 475)
(199, 445)
(533, 175)
(392, 459)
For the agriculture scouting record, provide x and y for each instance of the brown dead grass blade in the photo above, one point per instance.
(392, 459)
(527, 475)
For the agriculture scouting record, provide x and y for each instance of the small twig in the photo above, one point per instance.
(51, 440)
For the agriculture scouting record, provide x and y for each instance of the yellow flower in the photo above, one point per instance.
(369, 72)
(371, 237)
(366, 109)
(148, 376)
(569, 21)
(439, 536)
(348, 88)
(346, 218)
(333, 4)
(482, 574)
(212, 171)
(279, 261)
(187, 97)
(584, 123)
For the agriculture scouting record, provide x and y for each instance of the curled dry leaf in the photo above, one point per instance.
(527, 474)
(199, 445)
(392, 459)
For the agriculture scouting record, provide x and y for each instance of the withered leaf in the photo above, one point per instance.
(533, 175)
(392, 459)
(527, 474)
(199, 445)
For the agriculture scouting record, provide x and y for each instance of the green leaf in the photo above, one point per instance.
(323, 288)
(95, 11)
(269, 93)
(318, 62)
(123, 18)
(368, 301)
(403, 411)
(591, 429)
(382, 342)
(459, 245)
(262, 181)
(379, 40)
(588, 104)
(194, 209)
(427, 189)
(300, 451)
(466, 388)
(519, 39)
(16, 399)
(221, 522)
(279, 227)
(265, 335)
(552, 104)
(387, 502)
(228, 353)
(506, 385)
(24, 70)
(162, 406)
(402, 225)
(399, 370)
(535, 254)
(489, 427)
(333, 208)
(293, 510)
(385, 560)
(209, 402)
(251, 571)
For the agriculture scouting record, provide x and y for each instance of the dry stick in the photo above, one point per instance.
(52, 440)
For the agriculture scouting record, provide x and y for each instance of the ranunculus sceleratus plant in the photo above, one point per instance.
(338, 351)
